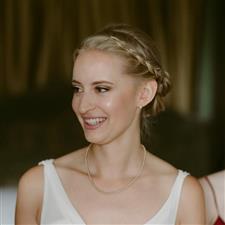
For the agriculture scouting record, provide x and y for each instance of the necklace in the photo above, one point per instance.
(91, 179)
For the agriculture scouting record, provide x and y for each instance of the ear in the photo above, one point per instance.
(147, 92)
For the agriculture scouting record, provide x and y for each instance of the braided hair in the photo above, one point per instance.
(141, 56)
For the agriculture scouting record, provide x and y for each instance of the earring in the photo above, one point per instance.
(140, 107)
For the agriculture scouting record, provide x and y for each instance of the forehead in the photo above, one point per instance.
(97, 64)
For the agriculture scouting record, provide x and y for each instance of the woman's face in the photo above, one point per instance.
(105, 98)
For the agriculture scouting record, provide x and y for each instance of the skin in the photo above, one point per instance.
(218, 182)
(104, 90)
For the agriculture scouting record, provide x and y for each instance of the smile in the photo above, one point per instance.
(92, 123)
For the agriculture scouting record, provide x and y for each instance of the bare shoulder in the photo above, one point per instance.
(72, 161)
(191, 207)
(35, 174)
(191, 188)
(159, 166)
(191, 203)
(219, 174)
(202, 181)
(32, 182)
(206, 188)
(30, 191)
(217, 178)
(29, 196)
(161, 173)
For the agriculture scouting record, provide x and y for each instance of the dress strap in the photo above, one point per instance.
(46, 162)
(213, 192)
(50, 172)
(167, 214)
(56, 203)
(177, 188)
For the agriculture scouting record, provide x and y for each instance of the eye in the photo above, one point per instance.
(76, 89)
(101, 89)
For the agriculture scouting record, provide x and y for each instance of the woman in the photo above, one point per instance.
(118, 82)
(214, 191)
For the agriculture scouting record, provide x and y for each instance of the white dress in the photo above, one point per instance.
(58, 209)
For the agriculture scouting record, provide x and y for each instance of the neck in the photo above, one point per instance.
(115, 160)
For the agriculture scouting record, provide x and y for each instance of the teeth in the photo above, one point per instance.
(94, 121)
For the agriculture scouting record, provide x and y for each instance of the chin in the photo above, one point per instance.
(95, 139)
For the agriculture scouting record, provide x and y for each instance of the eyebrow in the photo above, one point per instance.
(94, 83)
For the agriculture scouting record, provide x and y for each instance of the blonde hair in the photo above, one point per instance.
(141, 55)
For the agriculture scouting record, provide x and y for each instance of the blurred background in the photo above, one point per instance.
(37, 40)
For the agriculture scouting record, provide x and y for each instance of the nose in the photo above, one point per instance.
(86, 103)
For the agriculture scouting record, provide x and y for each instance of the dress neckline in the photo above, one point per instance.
(75, 212)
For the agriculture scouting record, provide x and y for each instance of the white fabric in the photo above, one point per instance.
(58, 209)
(7, 204)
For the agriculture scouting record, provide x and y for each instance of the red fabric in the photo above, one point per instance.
(219, 221)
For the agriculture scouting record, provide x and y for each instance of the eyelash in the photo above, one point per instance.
(99, 89)
(76, 89)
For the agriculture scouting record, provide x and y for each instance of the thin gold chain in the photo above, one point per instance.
(91, 179)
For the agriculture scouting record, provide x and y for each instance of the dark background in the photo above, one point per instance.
(37, 40)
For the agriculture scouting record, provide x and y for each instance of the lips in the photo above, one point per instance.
(93, 122)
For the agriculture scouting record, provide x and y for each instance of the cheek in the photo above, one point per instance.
(74, 104)
(120, 104)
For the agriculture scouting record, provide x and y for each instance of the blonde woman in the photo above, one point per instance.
(118, 83)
